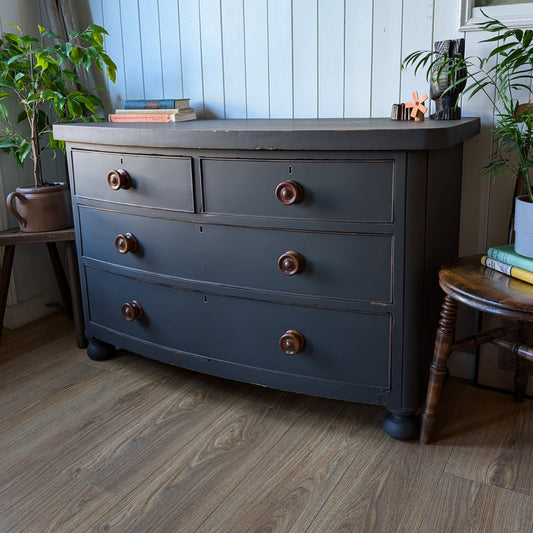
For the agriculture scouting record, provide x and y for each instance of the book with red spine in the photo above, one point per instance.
(151, 117)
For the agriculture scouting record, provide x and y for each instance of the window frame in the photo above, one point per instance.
(512, 15)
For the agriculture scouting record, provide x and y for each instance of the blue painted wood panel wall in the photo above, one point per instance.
(266, 58)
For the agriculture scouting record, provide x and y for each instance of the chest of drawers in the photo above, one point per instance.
(298, 254)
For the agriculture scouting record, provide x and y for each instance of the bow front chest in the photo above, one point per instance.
(298, 254)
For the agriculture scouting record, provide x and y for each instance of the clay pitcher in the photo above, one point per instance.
(44, 208)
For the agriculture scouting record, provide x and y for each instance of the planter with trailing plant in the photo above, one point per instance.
(40, 81)
(505, 76)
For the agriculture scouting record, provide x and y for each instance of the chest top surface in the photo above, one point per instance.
(277, 134)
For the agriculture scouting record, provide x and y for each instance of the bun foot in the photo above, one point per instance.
(402, 426)
(99, 350)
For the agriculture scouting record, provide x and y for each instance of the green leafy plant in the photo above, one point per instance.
(42, 75)
(505, 76)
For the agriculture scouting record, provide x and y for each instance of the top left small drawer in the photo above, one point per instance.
(148, 181)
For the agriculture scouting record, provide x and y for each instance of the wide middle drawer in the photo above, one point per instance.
(349, 266)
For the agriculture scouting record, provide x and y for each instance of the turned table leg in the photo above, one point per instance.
(523, 366)
(75, 291)
(5, 277)
(443, 343)
(62, 281)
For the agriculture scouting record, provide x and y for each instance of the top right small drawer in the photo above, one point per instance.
(334, 190)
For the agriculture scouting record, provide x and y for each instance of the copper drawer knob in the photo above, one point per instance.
(131, 311)
(289, 192)
(125, 242)
(291, 263)
(291, 342)
(119, 179)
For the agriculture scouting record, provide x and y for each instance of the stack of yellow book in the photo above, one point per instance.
(504, 259)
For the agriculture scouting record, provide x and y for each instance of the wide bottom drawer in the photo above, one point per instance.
(342, 346)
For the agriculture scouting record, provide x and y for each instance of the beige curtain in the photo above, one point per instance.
(61, 16)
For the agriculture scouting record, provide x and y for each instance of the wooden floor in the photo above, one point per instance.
(132, 445)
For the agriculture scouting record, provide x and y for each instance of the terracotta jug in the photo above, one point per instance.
(45, 208)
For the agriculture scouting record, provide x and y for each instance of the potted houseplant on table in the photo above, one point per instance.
(505, 76)
(42, 78)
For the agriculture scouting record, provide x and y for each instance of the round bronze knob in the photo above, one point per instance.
(291, 263)
(125, 242)
(289, 192)
(131, 311)
(119, 179)
(291, 342)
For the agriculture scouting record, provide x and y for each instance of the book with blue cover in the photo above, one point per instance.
(162, 103)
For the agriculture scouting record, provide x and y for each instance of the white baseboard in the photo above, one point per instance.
(32, 309)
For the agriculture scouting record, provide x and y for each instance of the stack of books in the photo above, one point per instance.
(504, 259)
(163, 110)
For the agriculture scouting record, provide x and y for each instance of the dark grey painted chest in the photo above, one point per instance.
(298, 254)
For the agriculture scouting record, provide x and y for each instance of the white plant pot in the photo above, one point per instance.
(523, 226)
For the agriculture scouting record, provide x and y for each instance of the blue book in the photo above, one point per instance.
(506, 254)
(165, 103)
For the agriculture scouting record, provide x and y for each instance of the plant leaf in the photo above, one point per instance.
(3, 113)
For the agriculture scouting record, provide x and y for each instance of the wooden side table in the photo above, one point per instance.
(70, 292)
(468, 282)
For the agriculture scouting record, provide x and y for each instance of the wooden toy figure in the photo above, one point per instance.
(418, 107)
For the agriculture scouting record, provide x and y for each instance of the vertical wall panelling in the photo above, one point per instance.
(331, 31)
(134, 62)
(417, 34)
(212, 66)
(256, 58)
(280, 58)
(305, 63)
(446, 20)
(10, 12)
(475, 187)
(501, 190)
(358, 58)
(12, 175)
(386, 58)
(233, 58)
(169, 38)
(111, 21)
(24, 14)
(191, 54)
(151, 52)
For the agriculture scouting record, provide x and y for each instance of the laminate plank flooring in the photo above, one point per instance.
(133, 445)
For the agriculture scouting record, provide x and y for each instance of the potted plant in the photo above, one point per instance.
(505, 76)
(41, 76)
